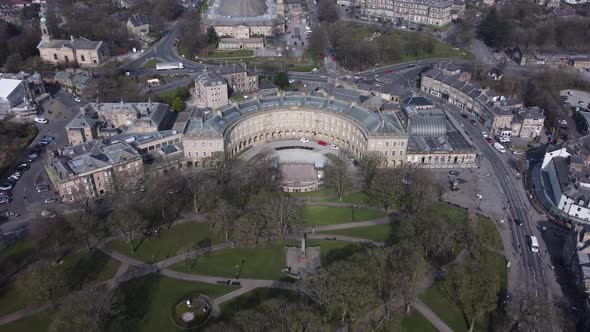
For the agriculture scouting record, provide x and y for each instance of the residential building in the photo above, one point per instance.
(138, 25)
(100, 120)
(431, 12)
(528, 122)
(493, 110)
(580, 62)
(238, 78)
(240, 43)
(11, 15)
(93, 169)
(566, 168)
(211, 90)
(73, 80)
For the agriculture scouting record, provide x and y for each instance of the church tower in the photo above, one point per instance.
(43, 24)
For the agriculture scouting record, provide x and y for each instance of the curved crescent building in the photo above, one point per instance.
(354, 129)
(244, 18)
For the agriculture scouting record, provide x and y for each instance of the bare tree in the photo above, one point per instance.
(43, 281)
(128, 223)
(337, 177)
(384, 189)
(86, 222)
(528, 313)
(89, 310)
(51, 236)
(368, 166)
(224, 218)
(342, 291)
(417, 190)
(202, 188)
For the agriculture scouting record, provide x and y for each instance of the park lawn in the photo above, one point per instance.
(16, 252)
(36, 323)
(439, 301)
(79, 268)
(150, 64)
(415, 322)
(252, 299)
(487, 233)
(318, 193)
(357, 197)
(259, 263)
(375, 233)
(150, 300)
(332, 251)
(171, 242)
(328, 215)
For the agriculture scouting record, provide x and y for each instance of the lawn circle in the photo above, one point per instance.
(191, 311)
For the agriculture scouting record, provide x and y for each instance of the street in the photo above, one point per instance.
(26, 201)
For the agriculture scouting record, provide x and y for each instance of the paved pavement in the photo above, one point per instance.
(195, 253)
(431, 316)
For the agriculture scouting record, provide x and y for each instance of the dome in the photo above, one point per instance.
(242, 8)
(43, 20)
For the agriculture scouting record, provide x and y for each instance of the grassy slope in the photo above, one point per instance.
(326, 215)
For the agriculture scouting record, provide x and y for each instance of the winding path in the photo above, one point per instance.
(140, 268)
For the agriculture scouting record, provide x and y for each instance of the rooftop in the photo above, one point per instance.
(7, 86)
(78, 44)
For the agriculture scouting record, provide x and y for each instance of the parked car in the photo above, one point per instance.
(47, 214)
(490, 140)
(517, 152)
(304, 140)
(42, 188)
(33, 155)
(517, 222)
(77, 99)
(454, 173)
(50, 200)
(4, 200)
(48, 138)
(39, 119)
(563, 122)
(484, 134)
(322, 143)
(334, 146)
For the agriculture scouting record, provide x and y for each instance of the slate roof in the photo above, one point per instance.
(77, 44)
(138, 20)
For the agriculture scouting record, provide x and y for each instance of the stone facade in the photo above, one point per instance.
(238, 78)
(431, 12)
(240, 43)
(211, 90)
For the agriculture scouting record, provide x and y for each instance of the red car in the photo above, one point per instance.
(390, 71)
(322, 143)
(491, 141)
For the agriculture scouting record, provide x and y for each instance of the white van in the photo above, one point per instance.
(533, 244)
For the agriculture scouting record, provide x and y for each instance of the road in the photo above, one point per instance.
(27, 201)
(539, 278)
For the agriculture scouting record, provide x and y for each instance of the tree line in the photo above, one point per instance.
(523, 23)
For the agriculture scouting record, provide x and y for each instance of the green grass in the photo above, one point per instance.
(332, 251)
(36, 323)
(150, 64)
(259, 263)
(415, 322)
(327, 215)
(317, 193)
(437, 299)
(487, 233)
(80, 268)
(150, 300)
(171, 242)
(376, 233)
(16, 252)
(230, 54)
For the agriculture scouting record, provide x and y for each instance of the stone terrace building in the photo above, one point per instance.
(210, 90)
(493, 110)
(239, 78)
(431, 12)
(244, 18)
(93, 169)
(107, 119)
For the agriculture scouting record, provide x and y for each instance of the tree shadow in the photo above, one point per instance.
(338, 254)
(136, 298)
(253, 299)
(87, 269)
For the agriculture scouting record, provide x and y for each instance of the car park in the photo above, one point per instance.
(41, 120)
(334, 146)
